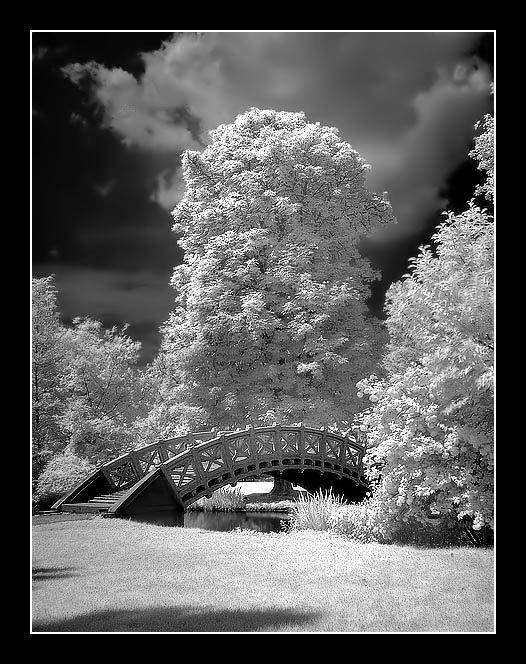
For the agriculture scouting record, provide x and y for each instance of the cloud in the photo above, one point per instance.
(141, 298)
(105, 189)
(414, 166)
(116, 296)
(169, 190)
(46, 53)
(133, 243)
(133, 110)
(40, 53)
(406, 101)
(76, 118)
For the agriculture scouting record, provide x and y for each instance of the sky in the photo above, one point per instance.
(112, 112)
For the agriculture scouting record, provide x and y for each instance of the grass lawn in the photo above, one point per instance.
(111, 575)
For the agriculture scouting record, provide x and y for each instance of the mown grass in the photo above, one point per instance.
(119, 576)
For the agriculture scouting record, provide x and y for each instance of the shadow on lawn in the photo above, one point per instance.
(48, 573)
(178, 619)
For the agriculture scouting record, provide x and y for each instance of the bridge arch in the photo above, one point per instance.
(173, 474)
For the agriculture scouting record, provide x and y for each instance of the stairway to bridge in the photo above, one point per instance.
(169, 475)
(98, 504)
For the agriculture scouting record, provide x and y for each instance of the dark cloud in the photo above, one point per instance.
(40, 53)
(128, 247)
(140, 298)
(132, 297)
(105, 188)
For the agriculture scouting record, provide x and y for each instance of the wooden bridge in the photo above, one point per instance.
(172, 474)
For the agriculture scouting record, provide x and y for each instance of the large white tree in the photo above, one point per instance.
(270, 322)
(430, 428)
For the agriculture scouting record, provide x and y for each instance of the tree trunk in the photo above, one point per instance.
(281, 487)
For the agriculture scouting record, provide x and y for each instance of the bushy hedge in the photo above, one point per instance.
(60, 475)
(368, 521)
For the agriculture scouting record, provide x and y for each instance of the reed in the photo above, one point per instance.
(222, 500)
(316, 512)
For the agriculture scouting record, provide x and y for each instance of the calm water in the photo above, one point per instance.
(263, 522)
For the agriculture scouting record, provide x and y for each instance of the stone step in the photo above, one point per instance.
(110, 496)
(80, 508)
(102, 502)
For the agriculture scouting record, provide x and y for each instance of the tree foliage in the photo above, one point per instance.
(47, 371)
(270, 322)
(100, 383)
(484, 154)
(61, 474)
(86, 387)
(430, 428)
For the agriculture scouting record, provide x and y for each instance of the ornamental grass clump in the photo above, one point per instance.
(223, 500)
(327, 512)
(316, 512)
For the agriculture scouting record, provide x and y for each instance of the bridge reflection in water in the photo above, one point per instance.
(169, 475)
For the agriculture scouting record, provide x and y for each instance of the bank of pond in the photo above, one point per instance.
(259, 521)
(244, 509)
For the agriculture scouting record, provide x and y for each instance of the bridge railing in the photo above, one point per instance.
(129, 468)
(202, 467)
(202, 461)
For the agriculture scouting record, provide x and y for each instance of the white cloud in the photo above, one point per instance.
(132, 109)
(407, 102)
(169, 190)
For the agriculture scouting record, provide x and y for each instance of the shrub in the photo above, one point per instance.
(369, 521)
(60, 475)
(361, 522)
(325, 511)
(222, 500)
(438, 531)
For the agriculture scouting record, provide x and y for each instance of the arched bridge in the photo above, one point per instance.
(172, 474)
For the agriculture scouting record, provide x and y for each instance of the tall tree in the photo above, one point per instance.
(270, 322)
(430, 428)
(47, 364)
(86, 394)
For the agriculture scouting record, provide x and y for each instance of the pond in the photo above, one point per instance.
(263, 522)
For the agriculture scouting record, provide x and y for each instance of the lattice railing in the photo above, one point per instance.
(198, 462)
(129, 468)
(200, 469)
